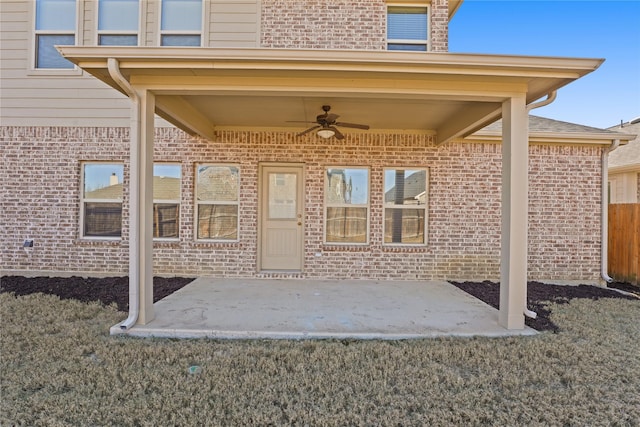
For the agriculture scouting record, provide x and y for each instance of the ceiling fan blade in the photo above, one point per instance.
(298, 121)
(331, 118)
(352, 125)
(308, 130)
(338, 134)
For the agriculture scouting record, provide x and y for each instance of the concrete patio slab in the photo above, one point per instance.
(321, 309)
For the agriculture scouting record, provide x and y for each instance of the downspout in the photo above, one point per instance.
(134, 291)
(551, 96)
(604, 212)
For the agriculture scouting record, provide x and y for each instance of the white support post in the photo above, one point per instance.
(141, 205)
(515, 212)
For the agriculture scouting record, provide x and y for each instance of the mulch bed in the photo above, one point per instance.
(116, 290)
(107, 290)
(539, 295)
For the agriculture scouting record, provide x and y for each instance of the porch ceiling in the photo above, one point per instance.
(450, 95)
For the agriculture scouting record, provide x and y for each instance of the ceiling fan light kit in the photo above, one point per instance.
(326, 133)
(326, 124)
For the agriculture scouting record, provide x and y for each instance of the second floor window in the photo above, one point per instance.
(407, 28)
(118, 22)
(181, 23)
(55, 24)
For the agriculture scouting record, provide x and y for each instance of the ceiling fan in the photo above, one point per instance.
(326, 124)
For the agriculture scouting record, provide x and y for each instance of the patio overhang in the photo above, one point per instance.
(450, 96)
(200, 90)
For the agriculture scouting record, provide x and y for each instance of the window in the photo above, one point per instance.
(166, 200)
(347, 205)
(181, 23)
(101, 202)
(118, 22)
(217, 195)
(55, 24)
(407, 28)
(405, 206)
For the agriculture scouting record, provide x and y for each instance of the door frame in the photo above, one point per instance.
(261, 199)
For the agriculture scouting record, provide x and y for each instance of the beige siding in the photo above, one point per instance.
(234, 23)
(50, 98)
(89, 24)
(151, 12)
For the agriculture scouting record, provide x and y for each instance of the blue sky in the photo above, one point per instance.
(580, 28)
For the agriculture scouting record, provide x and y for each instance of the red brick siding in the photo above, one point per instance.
(338, 24)
(41, 178)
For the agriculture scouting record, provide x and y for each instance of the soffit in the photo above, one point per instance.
(450, 95)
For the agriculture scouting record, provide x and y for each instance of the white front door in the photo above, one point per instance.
(281, 227)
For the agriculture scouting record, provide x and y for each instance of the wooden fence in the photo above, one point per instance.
(624, 242)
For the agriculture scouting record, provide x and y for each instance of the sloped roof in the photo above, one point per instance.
(627, 156)
(550, 130)
(544, 125)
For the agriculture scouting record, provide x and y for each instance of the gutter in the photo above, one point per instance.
(604, 212)
(551, 96)
(134, 289)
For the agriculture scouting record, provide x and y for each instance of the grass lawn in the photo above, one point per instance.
(60, 367)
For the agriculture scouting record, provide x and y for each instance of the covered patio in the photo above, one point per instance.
(320, 309)
(448, 96)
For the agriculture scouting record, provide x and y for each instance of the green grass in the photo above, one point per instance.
(60, 367)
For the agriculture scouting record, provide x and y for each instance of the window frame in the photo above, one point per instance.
(137, 33)
(84, 200)
(424, 207)
(197, 203)
(201, 32)
(328, 205)
(36, 33)
(413, 5)
(177, 201)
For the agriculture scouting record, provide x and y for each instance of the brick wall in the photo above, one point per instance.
(41, 180)
(338, 24)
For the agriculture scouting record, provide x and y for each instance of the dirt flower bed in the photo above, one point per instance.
(106, 290)
(60, 367)
(541, 295)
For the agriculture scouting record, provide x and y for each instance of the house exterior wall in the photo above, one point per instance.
(341, 24)
(463, 213)
(73, 98)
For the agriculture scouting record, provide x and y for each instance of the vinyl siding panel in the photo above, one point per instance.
(89, 23)
(58, 98)
(234, 24)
